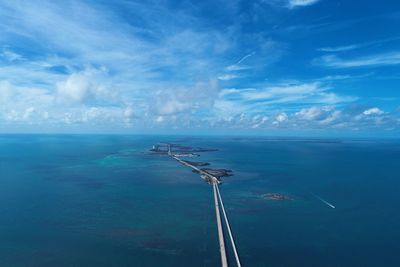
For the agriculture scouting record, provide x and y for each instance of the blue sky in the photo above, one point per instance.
(273, 67)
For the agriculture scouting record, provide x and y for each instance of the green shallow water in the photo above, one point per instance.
(104, 201)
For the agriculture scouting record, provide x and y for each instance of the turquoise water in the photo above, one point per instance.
(83, 200)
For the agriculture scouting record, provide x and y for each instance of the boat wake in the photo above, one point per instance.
(324, 201)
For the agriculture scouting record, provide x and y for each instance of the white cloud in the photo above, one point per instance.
(312, 113)
(159, 67)
(129, 113)
(172, 106)
(23, 97)
(373, 111)
(227, 77)
(96, 68)
(314, 117)
(282, 117)
(129, 116)
(259, 121)
(84, 87)
(358, 45)
(185, 99)
(344, 77)
(300, 3)
(6, 92)
(331, 118)
(37, 106)
(339, 48)
(226, 109)
(11, 56)
(293, 93)
(385, 59)
(238, 65)
(267, 52)
(28, 113)
(160, 119)
(292, 90)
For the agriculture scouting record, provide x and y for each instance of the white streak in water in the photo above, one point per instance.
(324, 201)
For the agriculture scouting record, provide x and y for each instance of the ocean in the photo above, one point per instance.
(104, 200)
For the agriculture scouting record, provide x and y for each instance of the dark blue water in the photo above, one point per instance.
(104, 201)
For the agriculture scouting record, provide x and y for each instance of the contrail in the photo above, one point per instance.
(243, 58)
(324, 201)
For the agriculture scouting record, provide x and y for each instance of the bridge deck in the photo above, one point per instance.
(217, 196)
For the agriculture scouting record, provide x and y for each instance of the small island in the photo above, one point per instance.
(162, 148)
(276, 196)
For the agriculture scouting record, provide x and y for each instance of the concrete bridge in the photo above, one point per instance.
(214, 181)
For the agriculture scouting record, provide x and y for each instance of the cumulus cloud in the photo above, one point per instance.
(185, 99)
(324, 118)
(129, 116)
(129, 113)
(282, 117)
(158, 67)
(172, 106)
(96, 68)
(314, 117)
(259, 121)
(84, 87)
(373, 111)
(38, 106)
(159, 119)
(312, 113)
(331, 118)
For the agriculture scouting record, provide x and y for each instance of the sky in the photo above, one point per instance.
(261, 67)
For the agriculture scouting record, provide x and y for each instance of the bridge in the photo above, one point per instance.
(214, 181)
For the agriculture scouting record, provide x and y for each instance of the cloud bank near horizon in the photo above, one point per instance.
(225, 65)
